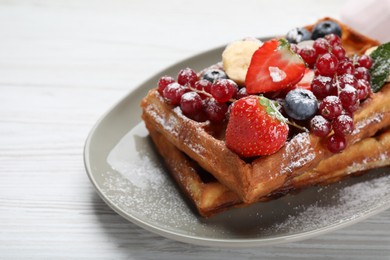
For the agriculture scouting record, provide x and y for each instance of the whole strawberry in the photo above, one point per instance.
(255, 127)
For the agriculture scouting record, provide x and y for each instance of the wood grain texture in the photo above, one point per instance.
(62, 65)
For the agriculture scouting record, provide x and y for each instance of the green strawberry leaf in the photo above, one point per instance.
(380, 70)
(271, 107)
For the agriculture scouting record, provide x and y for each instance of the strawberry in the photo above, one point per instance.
(304, 83)
(255, 127)
(274, 66)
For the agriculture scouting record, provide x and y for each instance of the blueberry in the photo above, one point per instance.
(297, 35)
(300, 104)
(325, 28)
(214, 74)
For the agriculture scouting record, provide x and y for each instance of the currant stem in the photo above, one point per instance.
(292, 123)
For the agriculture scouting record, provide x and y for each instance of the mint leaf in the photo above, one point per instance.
(381, 66)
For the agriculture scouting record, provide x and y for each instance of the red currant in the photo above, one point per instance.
(343, 125)
(309, 55)
(327, 64)
(223, 90)
(187, 76)
(330, 107)
(321, 46)
(333, 39)
(241, 93)
(322, 86)
(320, 126)
(345, 67)
(339, 52)
(191, 104)
(163, 82)
(362, 73)
(365, 61)
(216, 112)
(173, 93)
(363, 88)
(203, 85)
(348, 96)
(336, 143)
(352, 108)
(347, 79)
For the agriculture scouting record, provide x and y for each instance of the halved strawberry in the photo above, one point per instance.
(304, 83)
(274, 67)
(255, 127)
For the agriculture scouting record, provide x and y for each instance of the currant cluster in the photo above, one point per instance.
(340, 83)
(201, 99)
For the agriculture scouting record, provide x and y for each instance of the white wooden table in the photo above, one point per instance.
(62, 65)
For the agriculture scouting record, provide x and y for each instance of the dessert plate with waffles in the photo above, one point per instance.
(259, 142)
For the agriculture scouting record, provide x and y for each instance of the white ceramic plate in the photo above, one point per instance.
(131, 179)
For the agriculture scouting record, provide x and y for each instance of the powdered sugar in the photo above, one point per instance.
(277, 74)
(376, 118)
(298, 153)
(140, 184)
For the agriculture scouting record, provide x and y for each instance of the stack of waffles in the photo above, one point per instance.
(215, 178)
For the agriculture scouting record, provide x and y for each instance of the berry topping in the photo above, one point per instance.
(363, 89)
(300, 104)
(322, 86)
(274, 67)
(163, 82)
(333, 39)
(255, 127)
(343, 125)
(308, 54)
(203, 85)
(327, 64)
(223, 90)
(362, 73)
(345, 67)
(187, 77)
(324, 28)
(348, 96)
(365, 61)
(173, 93)
(241, 93)
(320, 126)
(305, 81)
(297, 35)
(339, 52)
(191, 104)
(214, 74)
(330, 107)
(321, 46)
(336, 143)
(347, 79)
(215, 112)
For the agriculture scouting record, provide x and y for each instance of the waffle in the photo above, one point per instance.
(241, 181)
(211, 197)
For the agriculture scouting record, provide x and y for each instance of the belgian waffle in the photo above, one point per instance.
(211, 197)
(240, 181)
